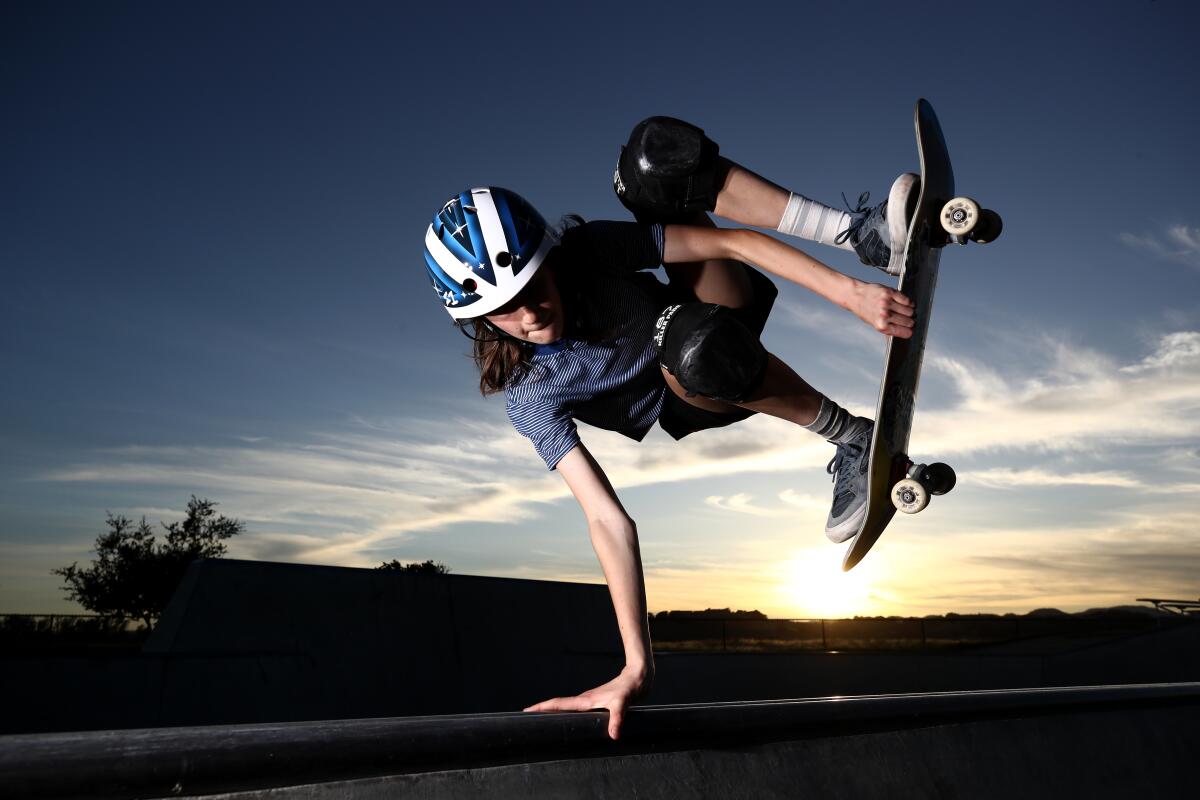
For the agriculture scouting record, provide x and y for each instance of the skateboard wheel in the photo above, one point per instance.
(939, 478)
(959, 216)
(909, 496)
(988, 228)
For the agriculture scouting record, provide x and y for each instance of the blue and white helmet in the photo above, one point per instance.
(482, 248)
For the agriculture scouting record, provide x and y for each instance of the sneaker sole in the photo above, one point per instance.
(847, 528)
(902, 195)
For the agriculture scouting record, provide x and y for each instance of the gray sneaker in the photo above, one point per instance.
(878, 234)
(849, 470)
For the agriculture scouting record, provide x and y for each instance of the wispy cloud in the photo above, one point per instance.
(1180, 349)
(743, 503)
(1076, 398)
(806, 501)
(343, 496)
(1038, 478)
(1143, 550)
(1019, 478)
(828, 322)
(1178, 243)
(1137, 552)
(1075, 395)
(740, 503)
(342, 493)
(790, 500)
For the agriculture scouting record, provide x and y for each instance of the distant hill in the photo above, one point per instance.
(1113, 612)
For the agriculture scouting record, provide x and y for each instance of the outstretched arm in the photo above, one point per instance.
(882, 308)
(614, 538)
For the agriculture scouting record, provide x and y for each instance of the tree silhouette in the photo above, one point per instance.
(426, 567)
(134, 577)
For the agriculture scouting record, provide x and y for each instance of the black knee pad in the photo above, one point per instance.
(668, 172)
(710, 351)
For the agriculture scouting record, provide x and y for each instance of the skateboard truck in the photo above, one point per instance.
(962, 220)
(912, 494)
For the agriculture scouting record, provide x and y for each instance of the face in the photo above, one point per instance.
(536, 314)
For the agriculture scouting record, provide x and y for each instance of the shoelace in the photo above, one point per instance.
(860, 214)
(839, 466)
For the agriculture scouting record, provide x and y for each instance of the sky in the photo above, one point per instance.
(212, 215)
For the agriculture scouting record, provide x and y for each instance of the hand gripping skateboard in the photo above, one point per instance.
(895, 482)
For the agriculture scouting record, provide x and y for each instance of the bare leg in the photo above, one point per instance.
(714, 281)
(749, 198)
(783, 394)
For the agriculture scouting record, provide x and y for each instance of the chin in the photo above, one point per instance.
(546, 335)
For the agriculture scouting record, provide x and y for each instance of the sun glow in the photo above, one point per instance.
(812, 583)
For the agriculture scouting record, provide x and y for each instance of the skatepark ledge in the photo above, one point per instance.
(1105, 741)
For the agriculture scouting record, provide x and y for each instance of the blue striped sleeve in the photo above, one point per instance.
(551, 429)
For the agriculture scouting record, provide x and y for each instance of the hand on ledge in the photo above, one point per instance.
(614, 696)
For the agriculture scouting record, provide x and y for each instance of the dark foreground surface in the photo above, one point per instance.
(1113, 741)
(247, 642)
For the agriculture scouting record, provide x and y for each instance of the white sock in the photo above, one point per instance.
(810, 220)
(832, 421)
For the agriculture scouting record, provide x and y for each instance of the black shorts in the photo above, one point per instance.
(679, 417)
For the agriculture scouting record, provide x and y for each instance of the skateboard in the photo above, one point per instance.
(896, 482)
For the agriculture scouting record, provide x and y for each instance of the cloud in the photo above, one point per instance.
(1178, 243)
(741, 504)
(1145, 550)
(806, 501)
(1012, 478)
(1133, 555)
(1077, 399)
(341, 493)
(345, 495)
(1180, 349)
(1045, 478)
(828, 322)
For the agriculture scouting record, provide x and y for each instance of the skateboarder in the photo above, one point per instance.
(566, 325)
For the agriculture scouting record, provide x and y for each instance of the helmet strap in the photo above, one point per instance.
(487, 324)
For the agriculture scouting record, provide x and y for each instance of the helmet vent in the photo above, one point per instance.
(503, 259)
(470, 285)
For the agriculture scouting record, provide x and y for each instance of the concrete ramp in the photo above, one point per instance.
(1111, 741)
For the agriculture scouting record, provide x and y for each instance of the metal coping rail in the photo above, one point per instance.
(206, 759)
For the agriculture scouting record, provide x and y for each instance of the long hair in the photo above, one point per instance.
(504, 359)
(501, 358)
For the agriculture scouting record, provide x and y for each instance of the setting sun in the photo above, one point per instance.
(813, 585)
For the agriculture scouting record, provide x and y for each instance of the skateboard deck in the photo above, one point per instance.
(889, 462)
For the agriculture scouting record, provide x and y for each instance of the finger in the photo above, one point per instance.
(892, 327)
(542, 706)
(616, 716)
(901, 299)
(907, 310)
(886, 321)
(562, 704)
